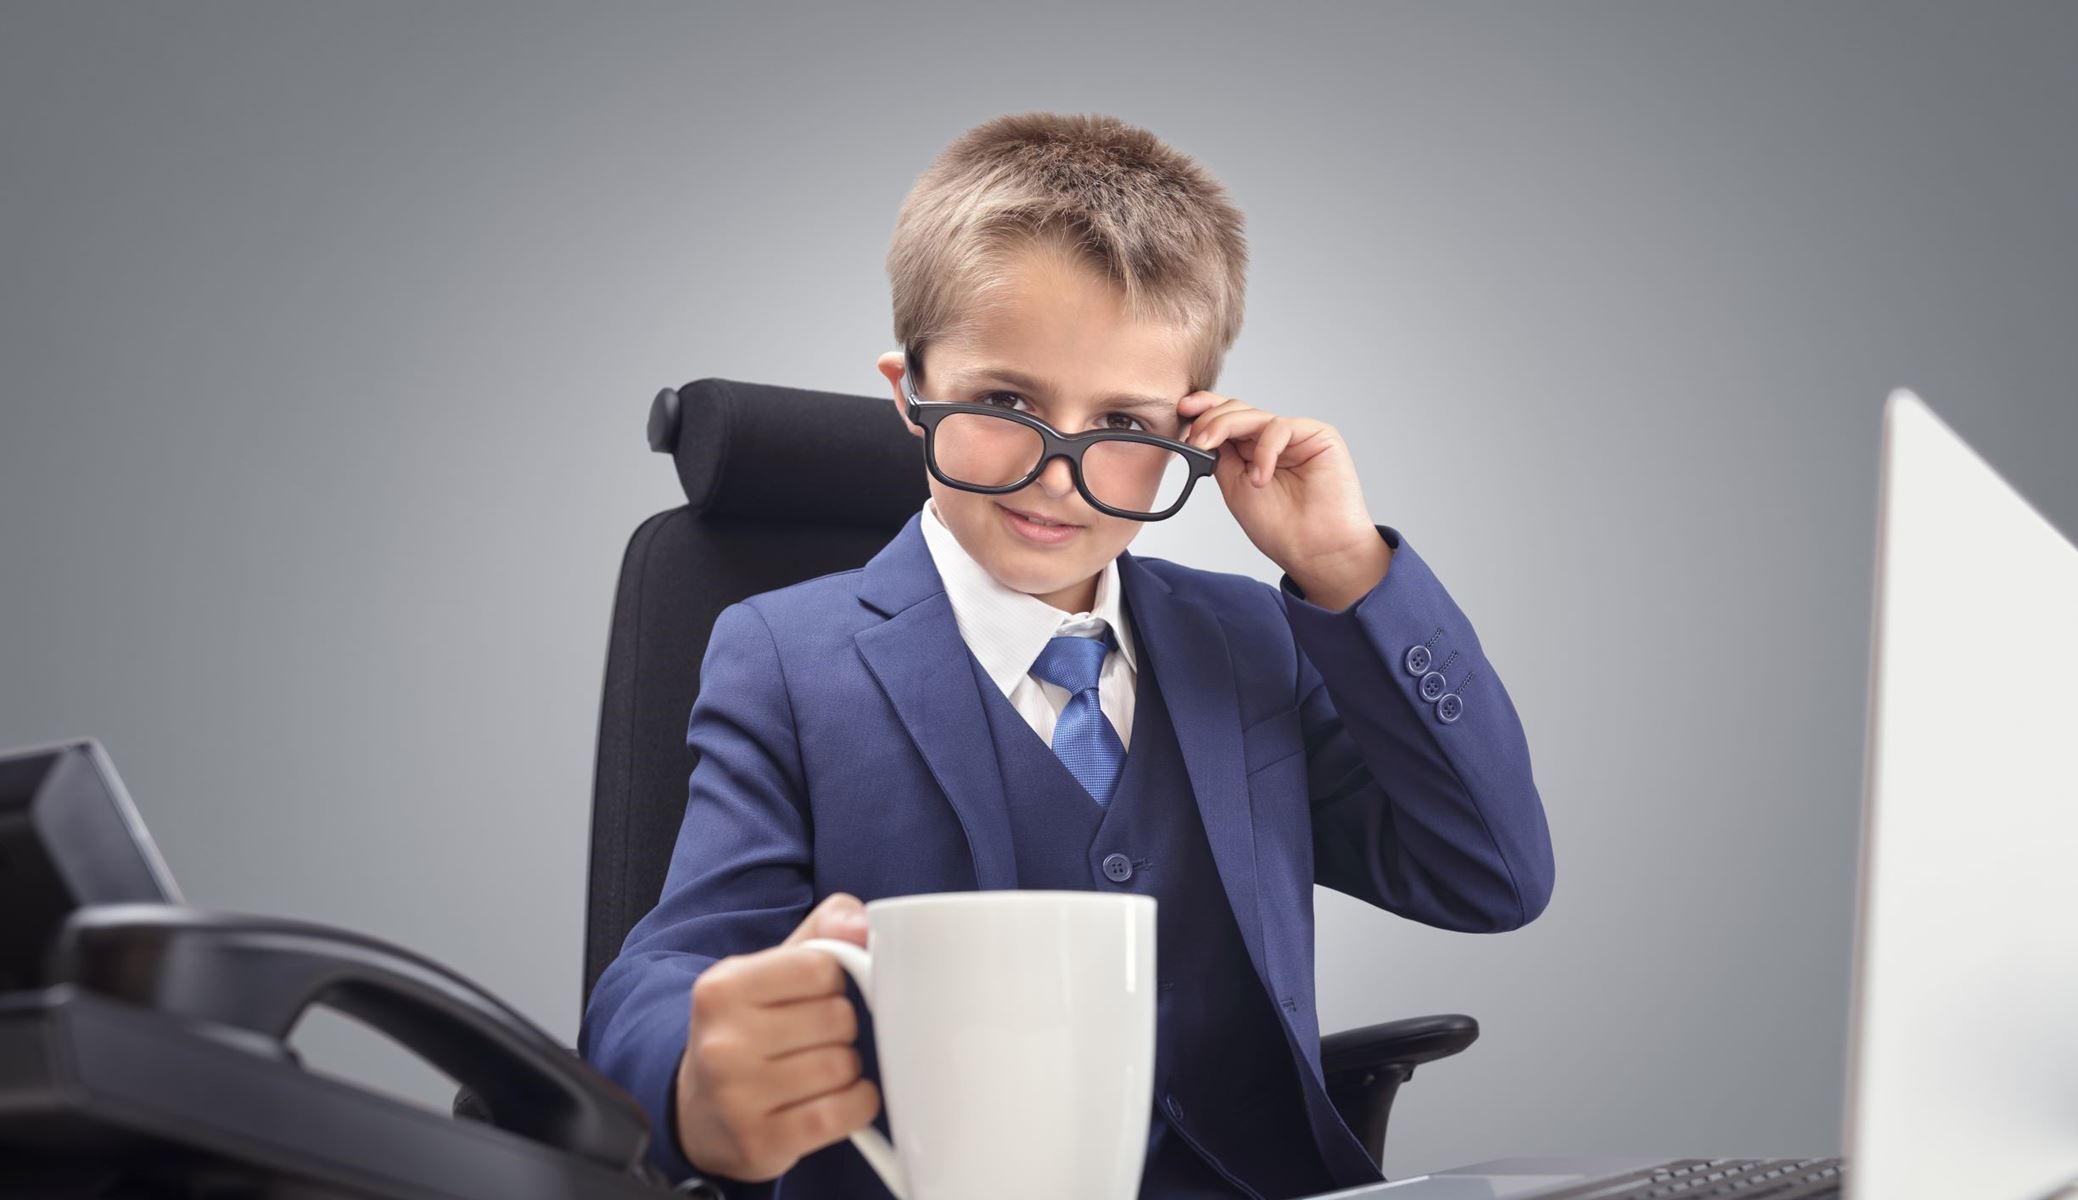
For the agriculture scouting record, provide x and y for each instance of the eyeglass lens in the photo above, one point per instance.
(989, 451)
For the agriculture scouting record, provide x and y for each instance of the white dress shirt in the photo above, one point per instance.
(1006, 629)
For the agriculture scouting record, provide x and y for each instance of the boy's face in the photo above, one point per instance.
(1058, 345)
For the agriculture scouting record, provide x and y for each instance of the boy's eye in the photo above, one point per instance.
(1111, 420)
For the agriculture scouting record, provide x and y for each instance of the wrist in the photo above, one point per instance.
(682, 1109)
(1338, 579)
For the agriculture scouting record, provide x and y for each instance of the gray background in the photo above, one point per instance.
(328, 334)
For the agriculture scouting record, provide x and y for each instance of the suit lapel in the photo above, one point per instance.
(919, 659)
(1186, 646)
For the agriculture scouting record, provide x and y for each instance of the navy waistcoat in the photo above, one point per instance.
(1224, 1077)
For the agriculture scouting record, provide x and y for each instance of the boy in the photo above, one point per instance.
(1003, 697)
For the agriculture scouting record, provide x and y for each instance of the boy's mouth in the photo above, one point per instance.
(1037, 528)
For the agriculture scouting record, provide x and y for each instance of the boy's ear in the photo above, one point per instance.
(891, 365)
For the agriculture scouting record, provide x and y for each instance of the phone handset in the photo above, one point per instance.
(260, 974)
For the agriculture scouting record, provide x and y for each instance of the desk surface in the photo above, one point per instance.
(1502, 1178)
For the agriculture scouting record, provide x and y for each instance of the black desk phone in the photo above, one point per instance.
(143, 1051)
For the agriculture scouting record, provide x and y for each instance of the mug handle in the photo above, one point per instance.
(878, 1152)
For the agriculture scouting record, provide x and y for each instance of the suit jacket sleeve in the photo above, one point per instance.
(739, 881)
(1435, 819)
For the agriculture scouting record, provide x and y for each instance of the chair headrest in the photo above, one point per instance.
(789, 454)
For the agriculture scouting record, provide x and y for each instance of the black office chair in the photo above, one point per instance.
(781, 485)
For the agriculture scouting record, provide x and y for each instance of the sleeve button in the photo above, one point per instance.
(1450, 708)
(1433, 685)
(1417, 659)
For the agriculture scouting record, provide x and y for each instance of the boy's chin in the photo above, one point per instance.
(1039, 573)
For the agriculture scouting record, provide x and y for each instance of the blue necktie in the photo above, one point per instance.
(1083, 738)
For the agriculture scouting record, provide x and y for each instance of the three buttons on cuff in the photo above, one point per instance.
(1433, 687)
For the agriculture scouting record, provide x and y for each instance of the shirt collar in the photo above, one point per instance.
(1005, 628)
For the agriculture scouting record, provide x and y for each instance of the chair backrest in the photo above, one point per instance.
(781, 484)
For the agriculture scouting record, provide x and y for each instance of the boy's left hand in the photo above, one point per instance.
(1292, 485)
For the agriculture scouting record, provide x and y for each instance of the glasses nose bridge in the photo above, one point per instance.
(1063, 445)
(1058, 450)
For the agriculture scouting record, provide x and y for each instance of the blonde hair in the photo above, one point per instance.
(1112, 195)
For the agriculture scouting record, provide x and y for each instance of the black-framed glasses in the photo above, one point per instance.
(992, 450)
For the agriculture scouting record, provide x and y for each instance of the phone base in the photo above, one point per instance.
(101, 1098)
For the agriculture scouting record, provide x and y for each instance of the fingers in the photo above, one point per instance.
(770, 1070)
(782, 1029)
(805, 1075)
(775, 976)
(1264, 441)
(1260, 438)
(1208, 414)
(756, 1125)
(840, 915)
(1268, 444)
(1230, 420)
(779, 1055)
(824, 1120)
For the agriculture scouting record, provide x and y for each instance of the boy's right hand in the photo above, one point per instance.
(769, 1072)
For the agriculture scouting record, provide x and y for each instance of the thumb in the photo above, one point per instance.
(841, 915)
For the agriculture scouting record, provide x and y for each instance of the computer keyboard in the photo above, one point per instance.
(1701, 1178)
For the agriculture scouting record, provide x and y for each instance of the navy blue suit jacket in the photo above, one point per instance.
(843, 747)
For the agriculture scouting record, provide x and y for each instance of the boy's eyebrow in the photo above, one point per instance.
(1021, 380)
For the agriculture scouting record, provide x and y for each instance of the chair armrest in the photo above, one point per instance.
(1404, 1043)
(471, 1106)
(1365, 1067)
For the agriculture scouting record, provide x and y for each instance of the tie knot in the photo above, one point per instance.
(1072, 663)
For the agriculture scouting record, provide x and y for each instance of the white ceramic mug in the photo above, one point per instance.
(1015, 1036)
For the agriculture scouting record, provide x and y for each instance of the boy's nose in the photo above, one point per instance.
(1056, 478)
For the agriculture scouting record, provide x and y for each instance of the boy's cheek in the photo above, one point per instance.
(1121, 534)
